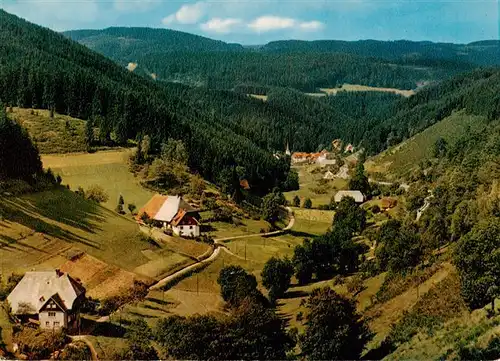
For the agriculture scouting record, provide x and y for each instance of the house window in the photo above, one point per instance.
(56, 324)
(190, 227)
(47, 324)
(52, 314)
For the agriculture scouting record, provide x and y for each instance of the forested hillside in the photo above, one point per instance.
(126, 43)
(477, 92)
(480, 52)
(181, 57)
(16, 145)
(40, 68)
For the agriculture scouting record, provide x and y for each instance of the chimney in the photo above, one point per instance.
(59, 273)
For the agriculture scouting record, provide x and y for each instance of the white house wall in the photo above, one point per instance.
(185, 231)
(47, 322)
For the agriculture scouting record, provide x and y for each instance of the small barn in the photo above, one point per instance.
(357, 195)
(388, 203)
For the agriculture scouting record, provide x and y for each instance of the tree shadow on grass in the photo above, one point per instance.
(160, 302)
(301, 234)
(63, 206)
(380, 352)
(295, 294)
(207, 228)
(21, 215)
(108, 329)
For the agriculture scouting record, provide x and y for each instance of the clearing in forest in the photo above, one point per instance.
(109, 169)
(364, 88)
(60, 134)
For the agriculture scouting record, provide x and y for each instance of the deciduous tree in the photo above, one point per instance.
(276, 276)
(334, 330)
(477, 258)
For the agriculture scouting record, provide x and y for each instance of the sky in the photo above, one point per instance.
(260, 21)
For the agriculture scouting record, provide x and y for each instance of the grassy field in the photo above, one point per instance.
(364, 88)
(5, 327)
(260, 97)
(241, 228)
(44, 230)
(399, 160)
(312, 221)
(108, 169)
(309, 181)
(61, 134)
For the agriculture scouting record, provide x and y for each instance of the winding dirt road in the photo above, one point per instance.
(218, 246)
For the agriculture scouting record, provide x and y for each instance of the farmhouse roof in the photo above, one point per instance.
(36, 288)
(300, 155)
(153, 206)
(165, 208)
(357, 195)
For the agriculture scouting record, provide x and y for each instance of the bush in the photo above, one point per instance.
(6, 289)
(136, 293)
(375, 209)
(355, 285)
(308, 203)
(131, 207)
(76, 351)
(39, 344)
(299, 317)
(97, 194)
(223, 214)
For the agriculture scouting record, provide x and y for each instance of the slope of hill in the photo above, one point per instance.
(190, 59)
(401, 159)
(477, 92)
(59, 229)
(43, 69)
(126, 43)
(57, 134)
(480, 52)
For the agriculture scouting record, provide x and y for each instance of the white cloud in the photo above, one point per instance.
(187, 14)
(269, 23)
(311, 25)
(221, 26)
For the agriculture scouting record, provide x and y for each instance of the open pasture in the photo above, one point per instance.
(109, 169)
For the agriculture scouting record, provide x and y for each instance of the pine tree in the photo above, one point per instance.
(89, 135)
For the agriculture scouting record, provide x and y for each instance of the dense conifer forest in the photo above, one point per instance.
(223, 128)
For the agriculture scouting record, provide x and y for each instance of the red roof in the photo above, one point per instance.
(152, 207)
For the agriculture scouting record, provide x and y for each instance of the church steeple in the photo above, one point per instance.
(287, 151)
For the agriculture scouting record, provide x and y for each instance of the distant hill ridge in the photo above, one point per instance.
(118, 42)
(122, 41)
